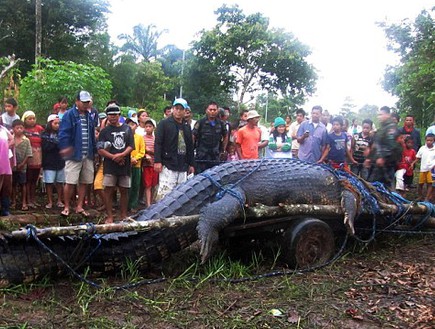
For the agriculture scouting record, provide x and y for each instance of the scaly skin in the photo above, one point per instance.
(266, 181)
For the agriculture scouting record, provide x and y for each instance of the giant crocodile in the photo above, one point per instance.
(219, 195)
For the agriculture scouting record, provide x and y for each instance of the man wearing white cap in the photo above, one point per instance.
(173, 149)
(249, 137)
(78, 147)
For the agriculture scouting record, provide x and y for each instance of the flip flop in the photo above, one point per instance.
(83, 213)
(65, 212)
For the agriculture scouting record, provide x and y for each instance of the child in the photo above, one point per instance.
(136, 164)
(149, 177)
(426, 154)
(98, 179)
(52, 163)
(405, 167)
(336, 146)
(23, 152)
(33, 132)
(279, 145)
(361, 144)
(231, 152)
(6, 142)
(10, 115)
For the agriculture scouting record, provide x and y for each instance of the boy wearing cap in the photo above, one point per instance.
(248, 140)
(115, 143)
(173, 149)
(136, 157)
(77, 146)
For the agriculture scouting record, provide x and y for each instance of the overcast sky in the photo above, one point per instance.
(348, 49)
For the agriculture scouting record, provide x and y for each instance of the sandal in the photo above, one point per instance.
(83, 212)
(24, 208)
(60, 205)
(48, 206)
(65, 212)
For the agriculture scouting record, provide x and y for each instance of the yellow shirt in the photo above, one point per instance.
(139, 150)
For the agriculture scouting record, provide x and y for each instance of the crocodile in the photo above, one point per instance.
(219, 195)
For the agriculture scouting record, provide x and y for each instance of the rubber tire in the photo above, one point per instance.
(308, 242)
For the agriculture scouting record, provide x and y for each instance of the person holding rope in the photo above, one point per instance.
(210, 139)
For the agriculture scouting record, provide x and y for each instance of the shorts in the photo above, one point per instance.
(79, 171)
(168, 180)
(112, 181)
(98, 181)
(425, 177)
(149, 177)
(18, 178)
(32, 175)
(53, 176)
(400, 181)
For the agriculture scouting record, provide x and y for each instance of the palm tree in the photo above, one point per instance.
(143, 43)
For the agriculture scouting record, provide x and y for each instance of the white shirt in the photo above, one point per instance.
(427, 156)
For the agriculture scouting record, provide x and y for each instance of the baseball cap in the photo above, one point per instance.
(133, 119)
(84, 96)
(180, 101)
(112, 109)
(151, 121)
(51, 117)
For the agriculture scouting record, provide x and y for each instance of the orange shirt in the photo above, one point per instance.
(248, 139)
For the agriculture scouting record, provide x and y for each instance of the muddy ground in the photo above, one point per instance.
(389, 284)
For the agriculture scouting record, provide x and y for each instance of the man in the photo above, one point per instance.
(78, 146)
(188, 117)
(210, 139)
(115, 143)
(167, 111)
(311, 137)
(293, 131)
(248, 140)
(326, 120)
(408, 129)
(386, 151)
(173, 153)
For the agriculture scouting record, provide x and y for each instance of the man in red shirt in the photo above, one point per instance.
(249, 138)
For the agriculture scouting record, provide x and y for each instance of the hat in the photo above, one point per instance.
(279, 122)
(132, 119)
(102, 115)
(112, 109)
(56, 106)
(27, 114)
(51, 117)
(151, 121)
(180, 101)
(131, 113)
(253, 114)
(84, 96)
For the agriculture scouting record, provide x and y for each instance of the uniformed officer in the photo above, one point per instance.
(386, 150)
(210, 138)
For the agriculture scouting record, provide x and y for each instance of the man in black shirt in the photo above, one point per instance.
(173, 149)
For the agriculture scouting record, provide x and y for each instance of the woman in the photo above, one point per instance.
(279, 145)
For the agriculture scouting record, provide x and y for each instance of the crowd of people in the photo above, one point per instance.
(88, 157)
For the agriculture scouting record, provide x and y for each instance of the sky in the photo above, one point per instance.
(348, 48)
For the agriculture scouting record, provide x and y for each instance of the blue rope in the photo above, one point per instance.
(229, 188)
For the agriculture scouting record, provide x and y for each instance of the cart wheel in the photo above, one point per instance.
(307, 242)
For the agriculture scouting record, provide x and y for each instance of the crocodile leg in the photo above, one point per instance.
(217, 215)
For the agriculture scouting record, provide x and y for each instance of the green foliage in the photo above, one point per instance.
(413, 80)
(70, 28)
(244, 55)
(42, 87)
(143, 43)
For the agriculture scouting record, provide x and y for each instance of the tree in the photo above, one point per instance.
(347, 109)
(68, 27)
(150, 87)
(413, 79)
(42, 87)
(143, 43)
(248, 56)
